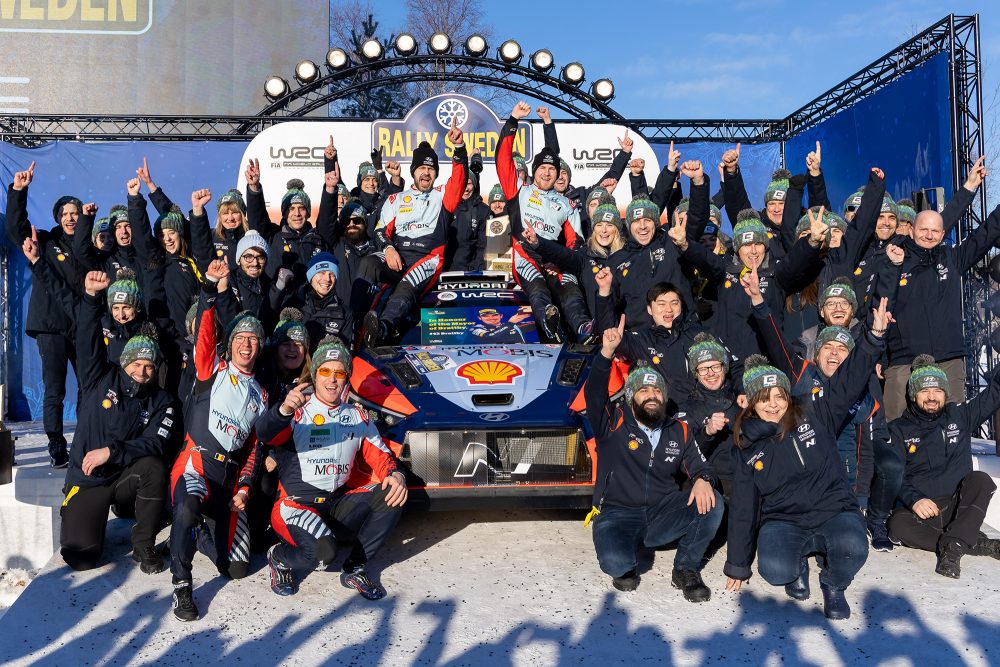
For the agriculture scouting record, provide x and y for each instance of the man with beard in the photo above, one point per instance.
(944, 499)
(412, 232)
(491, 327)
(638, 498)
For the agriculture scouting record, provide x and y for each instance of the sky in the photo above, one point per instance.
(721, 59)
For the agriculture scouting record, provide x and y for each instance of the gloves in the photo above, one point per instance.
(284, 276)
(377, 159)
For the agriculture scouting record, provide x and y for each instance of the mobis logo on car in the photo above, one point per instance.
(489, 372)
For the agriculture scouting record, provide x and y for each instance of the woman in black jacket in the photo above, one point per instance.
(790, 496)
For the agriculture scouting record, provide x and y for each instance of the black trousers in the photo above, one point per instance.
(961, 516)
(57, 352)
(138, 491)
(309, 530)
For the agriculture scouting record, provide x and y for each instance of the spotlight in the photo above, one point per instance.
(372, 49)
(603, 89)
(573, 74)
(476, 45)
(337, 58)
(306, 71)
(541, 60)
(406, 45)
(275, 87)
(510, 51)
(439, 43)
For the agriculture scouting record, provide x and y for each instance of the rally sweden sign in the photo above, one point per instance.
(430, 121)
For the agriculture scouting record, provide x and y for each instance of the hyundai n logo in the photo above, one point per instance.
(495, 417)
(475, 455)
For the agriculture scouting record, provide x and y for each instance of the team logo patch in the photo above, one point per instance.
(656, 360)
(489, 372)
(221, 458)
(912, 449)
(319, 420)
(287, 247)
(232, 378)
(407, 199)
(61, 257)
(106, 404)
(633, 445)
(758, 465)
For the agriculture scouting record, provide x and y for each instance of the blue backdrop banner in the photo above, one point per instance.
(757, 163)
(94, 173)
(904, 129)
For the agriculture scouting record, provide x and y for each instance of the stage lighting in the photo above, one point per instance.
(406, 45)
(510, 51)
(439, 43)
(372, 49)
(275, 87)
(337, 58)
(573, 74)
(542, 60)
(306, 71)
(603, 89)
(476, 45)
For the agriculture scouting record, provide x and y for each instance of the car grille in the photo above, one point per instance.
(497, 458)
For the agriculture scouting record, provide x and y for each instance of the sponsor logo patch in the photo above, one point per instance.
(489, 372)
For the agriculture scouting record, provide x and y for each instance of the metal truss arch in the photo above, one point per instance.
(483, 70)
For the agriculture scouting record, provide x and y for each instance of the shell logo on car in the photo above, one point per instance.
(489, 372)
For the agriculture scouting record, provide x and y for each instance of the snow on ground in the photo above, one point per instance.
(501, 587)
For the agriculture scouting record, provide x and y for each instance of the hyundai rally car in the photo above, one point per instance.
(475, 407)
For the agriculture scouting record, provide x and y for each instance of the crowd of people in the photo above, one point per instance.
(794, 390)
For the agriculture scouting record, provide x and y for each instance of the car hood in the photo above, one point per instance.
(481, 378)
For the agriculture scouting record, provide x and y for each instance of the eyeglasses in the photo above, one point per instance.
(837, 305)
(714, 369)
(243, 339)
(255, 259)
(327, 372)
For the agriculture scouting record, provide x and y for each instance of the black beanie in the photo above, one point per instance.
(62, 201)
(545, 156)
(424, 156)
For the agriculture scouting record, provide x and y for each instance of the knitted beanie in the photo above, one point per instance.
(519, 163)
(842, 288)
(906, 211)
(545, 156)
(758, 375)
(245, 322)
(835, 334)
(117, 215)
(424, 156)
(830, 219)
(366, 170)
(295, 195)
(100, 225)
(322, 261)
(564, 166)
(643, 375)
(854, 201)
(749, 229)
(706, 348)
(62, 201)
(125, 290)
(496, 194)
(925, 374)
(291, 327)
(233, 196)
(607, 213)
(142, 346)
(639, 208)
(330, 349)
(251, 239)
(600, 194)
(778, 187)
(889, 206)
(171, 220)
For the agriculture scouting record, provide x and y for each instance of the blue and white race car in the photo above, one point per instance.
(480, 412)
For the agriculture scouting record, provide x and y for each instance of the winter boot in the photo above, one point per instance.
(950, 552)
(985, 546)
(184, 608)
(835, 604)
(799, 589)
(628, 582)
(691, 584)
(878, 533)
(150, 562)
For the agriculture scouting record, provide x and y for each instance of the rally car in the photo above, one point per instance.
(476, 408)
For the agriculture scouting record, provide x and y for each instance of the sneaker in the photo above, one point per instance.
(835, 605)
(985, 546)
(282, 581)
(799, 589)
(184, 609)
(358, 579)
(878, 533)
(150, 562)
(691, 584)
(59, 459)
(551, 323)
(372, 328)
(949, 562)
(628, 582)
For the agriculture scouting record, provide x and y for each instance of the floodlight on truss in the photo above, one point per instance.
(603, 89)
(573, 74)
(510, 52)
(542, 60)
(275, 87)
(336, 58)
(306, 71)
(406, 44)
(372, 49)
(476, 45)
(439, 43)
